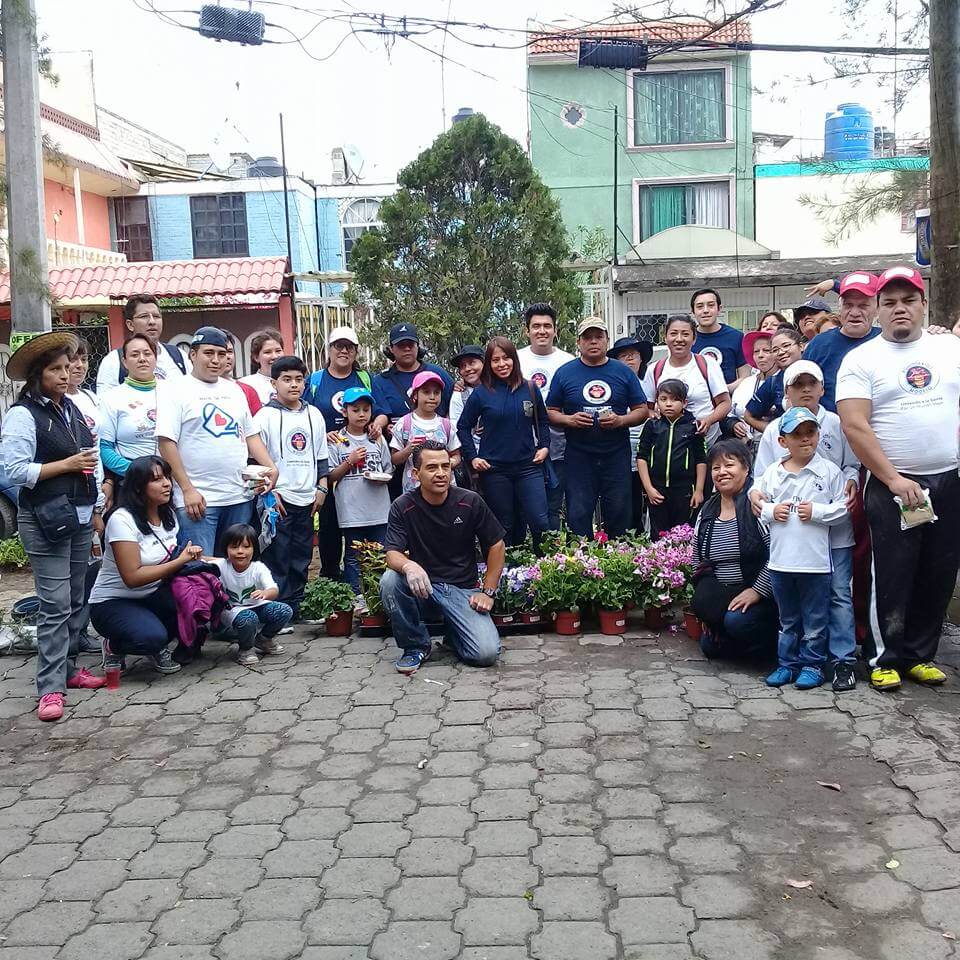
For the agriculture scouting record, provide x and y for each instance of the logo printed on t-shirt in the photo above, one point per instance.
(218, 423)
(918, 378)
(336, 401)
(597, 391)
(298, 441)
(539, 379)
(152, 416)
(458, 520)
(713, 352)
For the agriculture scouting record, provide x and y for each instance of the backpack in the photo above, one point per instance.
(406, 424)
(701, 362)
(175, 355)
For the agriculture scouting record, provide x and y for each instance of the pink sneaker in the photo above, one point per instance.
(51, 706)
(83, 679)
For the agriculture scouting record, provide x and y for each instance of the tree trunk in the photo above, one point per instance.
(945, 161)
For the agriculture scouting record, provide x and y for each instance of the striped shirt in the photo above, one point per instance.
(724, 551)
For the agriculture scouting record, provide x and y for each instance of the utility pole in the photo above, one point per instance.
(945, 161)
(27, 241)
(616, 186)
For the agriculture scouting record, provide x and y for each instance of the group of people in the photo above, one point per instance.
(206, 491)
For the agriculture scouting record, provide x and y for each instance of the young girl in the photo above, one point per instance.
(265, 347)
(767, 403)
(423, 424)
(254, 617)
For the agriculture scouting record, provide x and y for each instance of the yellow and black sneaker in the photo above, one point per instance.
(927, 674)
(884, 678)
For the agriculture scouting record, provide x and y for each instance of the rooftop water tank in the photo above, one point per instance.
(848, 133)
(265, 167)
(464, 113)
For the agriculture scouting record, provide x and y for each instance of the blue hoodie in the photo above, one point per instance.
(390, 391)
(511, 420)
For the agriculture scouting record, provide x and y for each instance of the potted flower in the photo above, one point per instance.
(373, 561)
(332, 601)
(557, 582)
(609, 584)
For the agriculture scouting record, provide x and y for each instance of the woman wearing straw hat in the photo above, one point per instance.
(48, 450)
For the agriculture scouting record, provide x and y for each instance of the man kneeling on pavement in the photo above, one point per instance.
(432, 532)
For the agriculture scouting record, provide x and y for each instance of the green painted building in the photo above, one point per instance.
(683, 139)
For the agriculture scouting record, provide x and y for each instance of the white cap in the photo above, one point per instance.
(343, 333)
(798, 368)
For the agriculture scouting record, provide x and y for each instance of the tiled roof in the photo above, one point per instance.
(236, 276)
(567, 41)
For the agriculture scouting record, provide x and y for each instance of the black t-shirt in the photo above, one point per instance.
(443, 539)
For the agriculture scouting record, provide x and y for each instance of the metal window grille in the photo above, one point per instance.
(219, 225)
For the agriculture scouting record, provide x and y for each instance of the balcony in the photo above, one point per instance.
(60, 254)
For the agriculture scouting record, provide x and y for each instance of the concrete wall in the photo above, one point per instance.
(577, 162)
(779, 187)
(59, 198)
(170, 228)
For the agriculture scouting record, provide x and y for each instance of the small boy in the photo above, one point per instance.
(361, 469)
(804, 497)
(803, 383)
(672, 460)
(469, 365)
(422, 424)
(296, 436)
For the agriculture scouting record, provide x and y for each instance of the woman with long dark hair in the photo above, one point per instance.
(515, 442)
(48, 451)
(265, 347)
(131, 605)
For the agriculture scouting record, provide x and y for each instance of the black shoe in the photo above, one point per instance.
(844, 678)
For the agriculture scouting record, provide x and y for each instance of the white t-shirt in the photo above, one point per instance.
(432, 429)
(129, 420)
(210, 423)
(296, 440)
(88, 404)
(263, 385)
(915, 392)
(158, 546)
(108, 374)
(700, 392)
(539, 370)
(239, 586)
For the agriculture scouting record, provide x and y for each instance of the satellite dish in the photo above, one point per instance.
(354, 161)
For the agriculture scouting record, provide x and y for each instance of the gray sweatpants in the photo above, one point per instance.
(59, 571)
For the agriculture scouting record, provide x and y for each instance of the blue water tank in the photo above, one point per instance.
(848, 133)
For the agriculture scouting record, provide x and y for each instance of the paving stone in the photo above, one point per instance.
(196, 921)
(272, 809)
(941, 910)
(443, 790)
(909, 940)
(49, 923)
(70, 828)
(227, 877)
(454, 763)
(648, 876)
(434, 857)
(138, 900)
(264, 940)
(496, 921)
(494, 953)
(85, 880)
(743, 939)
(360, 877)
(381, 808)
(280, 899)
(446, 821)
(629, 802)
(651, 920)
(706, 854)
(565, 787)
(567, 940)
(928, 868)
(167, 860)
(253, 840)
(720, 897)
(502, 838)
(373, 840)
(330, 794)
(405, 940)
(692, 819)
(346, 922)
(500, 876)
(299, 858)
(634, 836)
(504, 805)
(38, 860)
(109, 941)
(571, 898)
(426, 898)
(193, 825)
(569, 855)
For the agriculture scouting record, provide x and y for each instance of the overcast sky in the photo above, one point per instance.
(387, 102)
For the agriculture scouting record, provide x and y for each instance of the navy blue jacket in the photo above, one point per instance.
(511, 421)
(390, 391)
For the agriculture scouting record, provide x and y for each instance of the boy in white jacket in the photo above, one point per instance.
(296, 435)
(803, 383)
(803, 497)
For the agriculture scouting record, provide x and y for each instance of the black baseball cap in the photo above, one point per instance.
(209, 336)
(403, 331)
(470, 350)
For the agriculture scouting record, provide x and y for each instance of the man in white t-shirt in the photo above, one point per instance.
(898, 397)
(141, 314)
(538, 363)
(206, 434)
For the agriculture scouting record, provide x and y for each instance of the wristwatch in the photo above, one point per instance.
(487, 592)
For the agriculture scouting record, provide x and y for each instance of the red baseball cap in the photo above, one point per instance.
(865, 283)
(901, 275)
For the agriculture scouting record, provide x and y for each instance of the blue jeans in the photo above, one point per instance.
(605, 477)
(843, 639)
(351, 565)
(555, 495)
(804, 602)
(207, 531)
(505, 487)
(745, 634)
(268, 619)
(473, 636)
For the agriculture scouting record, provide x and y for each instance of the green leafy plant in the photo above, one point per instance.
(520, 555)
(557, 583)
(323, 597)
(12, 554)
(611, 583)
(373, 561)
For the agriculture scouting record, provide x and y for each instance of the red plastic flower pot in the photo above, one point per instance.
(692, 625)
(653, 618)
(501, 620)
(373, 620)
(340, 624)
(568, 622)
(613, 622)
(531, 618)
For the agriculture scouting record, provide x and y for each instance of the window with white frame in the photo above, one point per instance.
(359, 217)
(679, 107)
(664, 205)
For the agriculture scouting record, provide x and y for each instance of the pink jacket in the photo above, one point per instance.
(200, 600)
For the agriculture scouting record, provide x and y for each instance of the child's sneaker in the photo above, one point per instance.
(809, 678)
(283, 631)
(781, 677)
(268, 645)
(412, 661)
(248, 658)
(164, 663)
(844, 678)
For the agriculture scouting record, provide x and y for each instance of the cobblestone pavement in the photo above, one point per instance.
(587, 799)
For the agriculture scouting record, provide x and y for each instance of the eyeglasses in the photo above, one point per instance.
(343, 346)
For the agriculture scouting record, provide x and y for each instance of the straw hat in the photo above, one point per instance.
(23, 357)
